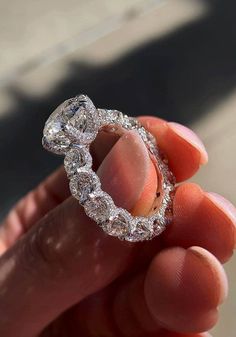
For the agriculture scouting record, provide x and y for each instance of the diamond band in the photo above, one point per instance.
(69, 131)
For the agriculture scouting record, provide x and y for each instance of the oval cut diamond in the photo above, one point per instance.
(73, 122)
(76, 158)
(119, 224)
(54, 136)
(83, 184)
(142, 231)
(99, 206)
(83, 126)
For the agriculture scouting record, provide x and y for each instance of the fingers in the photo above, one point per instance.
(143, 174)
(184, 150)
(180, 292)
(32, 207)
(183, 289)
(54, 266)
(65, 257)
(119, 310)
(202, 219)
(55, 188)
(185, 158)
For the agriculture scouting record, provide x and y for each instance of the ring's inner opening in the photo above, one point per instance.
(152, 194)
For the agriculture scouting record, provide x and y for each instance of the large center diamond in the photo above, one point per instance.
(72, 122)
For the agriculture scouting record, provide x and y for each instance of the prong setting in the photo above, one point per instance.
(69, 131)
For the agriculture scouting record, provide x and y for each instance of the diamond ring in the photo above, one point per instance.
(69, 131)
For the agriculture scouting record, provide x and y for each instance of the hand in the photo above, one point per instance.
(60, 275)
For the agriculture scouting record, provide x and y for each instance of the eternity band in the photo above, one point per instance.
(69, 131)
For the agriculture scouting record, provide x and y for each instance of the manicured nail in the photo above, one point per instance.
(224, 205)
(190, 136)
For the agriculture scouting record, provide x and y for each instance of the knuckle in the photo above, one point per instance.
(44, 247)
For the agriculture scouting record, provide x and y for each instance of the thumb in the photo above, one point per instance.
(65, 256)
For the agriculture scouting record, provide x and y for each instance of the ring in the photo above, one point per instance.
(69, 131)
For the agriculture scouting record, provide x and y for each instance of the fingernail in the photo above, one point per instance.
(224, 205)
(216, 267)
(190, 136)
(125, 170)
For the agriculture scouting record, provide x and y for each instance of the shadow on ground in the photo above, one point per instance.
(177, 77)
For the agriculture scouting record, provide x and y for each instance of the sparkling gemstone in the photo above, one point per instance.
(83, 126)
(143, 230)
(151, 139)
(70, 110)
(143, 134)
(73, 122)
(99, 207)
(111, 116)
(85, 102)
(118, 225)
(158, 219)
(159, 225)
(126, 123)
(83, 183)
(133, 123)
(54, 136)
(76, 158)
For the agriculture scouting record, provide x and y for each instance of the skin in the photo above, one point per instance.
(60, 275)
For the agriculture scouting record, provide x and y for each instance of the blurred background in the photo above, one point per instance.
(175, 59)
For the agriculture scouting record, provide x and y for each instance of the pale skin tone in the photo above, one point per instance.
(61, 276)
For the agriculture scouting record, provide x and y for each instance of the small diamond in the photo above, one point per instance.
(133, 123)
(76, 158)
(112, 116)
(167, 174)
(143, 134)
(99, 207)
(118, 225)
(159, 225)
(83, 183)
(143, 230)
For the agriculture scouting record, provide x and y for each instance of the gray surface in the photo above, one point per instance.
(175, 60)
(29, 28)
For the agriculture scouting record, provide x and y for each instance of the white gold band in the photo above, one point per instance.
(70, 130)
